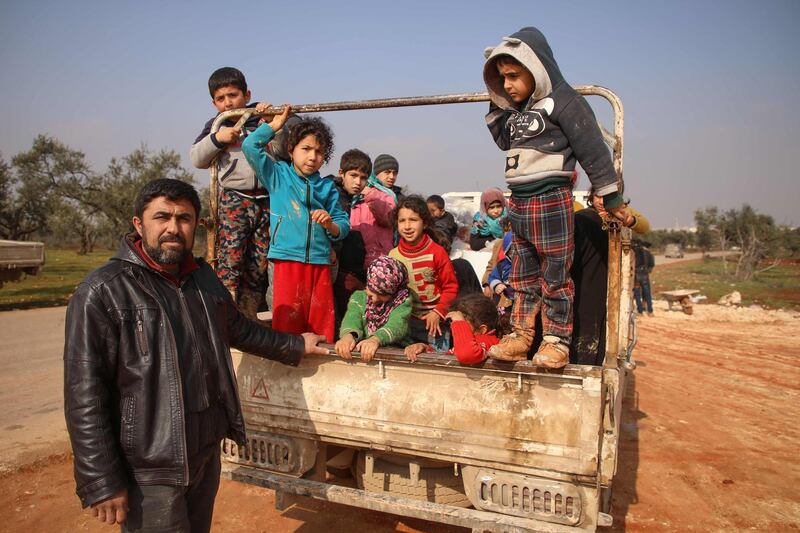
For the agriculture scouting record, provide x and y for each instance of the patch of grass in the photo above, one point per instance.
(62, 271)
(777, 288)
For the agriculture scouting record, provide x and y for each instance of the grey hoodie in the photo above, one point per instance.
(233, 172)
(547, 134)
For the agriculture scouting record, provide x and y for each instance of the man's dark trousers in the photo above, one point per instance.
(171, 509)
(643, 291)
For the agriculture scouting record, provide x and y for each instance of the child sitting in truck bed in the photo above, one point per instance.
(473, 329)
(432, 280)
(442, 220)
(487, 224)
(378, 315)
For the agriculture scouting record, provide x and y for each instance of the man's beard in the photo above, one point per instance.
(169, 256)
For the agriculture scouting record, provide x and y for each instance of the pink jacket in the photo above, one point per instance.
(371, 219)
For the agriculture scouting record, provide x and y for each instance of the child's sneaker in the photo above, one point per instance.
(552, 353)
(512, 347)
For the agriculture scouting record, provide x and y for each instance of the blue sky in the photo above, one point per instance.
(709, 87)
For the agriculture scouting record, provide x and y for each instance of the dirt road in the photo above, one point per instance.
(31, 390)
(688, 256)
(709, 441)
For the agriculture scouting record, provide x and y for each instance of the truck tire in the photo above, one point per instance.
(437, 485)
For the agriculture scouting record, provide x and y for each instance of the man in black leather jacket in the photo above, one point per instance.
(149, 386)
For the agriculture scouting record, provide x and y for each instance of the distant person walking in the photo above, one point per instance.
(644, 265)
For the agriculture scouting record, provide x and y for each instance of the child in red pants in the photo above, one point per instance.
(305, 217)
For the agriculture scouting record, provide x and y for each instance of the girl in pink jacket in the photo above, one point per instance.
(371, 216)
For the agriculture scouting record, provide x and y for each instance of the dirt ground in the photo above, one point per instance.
(709, 443)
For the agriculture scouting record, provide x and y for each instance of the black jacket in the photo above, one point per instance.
(350, 251)
(123, 396)
(645, 262)
(448, 225)
(589, 272)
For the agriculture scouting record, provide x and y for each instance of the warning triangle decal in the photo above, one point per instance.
(260, 390)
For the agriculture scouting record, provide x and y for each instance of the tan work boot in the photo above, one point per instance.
(513, 347)
(552, 353)
(516, 345)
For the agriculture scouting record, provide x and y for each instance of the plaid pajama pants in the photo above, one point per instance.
(543, 248)
(242, 242)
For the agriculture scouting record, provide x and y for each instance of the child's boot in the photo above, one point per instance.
(514, 346)
(552, 353)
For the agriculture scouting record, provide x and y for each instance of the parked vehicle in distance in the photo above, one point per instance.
(673, 250)
(18, 258)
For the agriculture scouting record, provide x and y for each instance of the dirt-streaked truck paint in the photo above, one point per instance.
(538, 445)
(535, 449)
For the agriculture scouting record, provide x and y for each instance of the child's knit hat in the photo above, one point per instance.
(385, 162)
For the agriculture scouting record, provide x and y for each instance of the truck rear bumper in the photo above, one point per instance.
(434, 512)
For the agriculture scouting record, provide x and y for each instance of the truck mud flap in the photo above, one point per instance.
(434, 512)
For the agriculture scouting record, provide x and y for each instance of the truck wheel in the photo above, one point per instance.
(437, 485)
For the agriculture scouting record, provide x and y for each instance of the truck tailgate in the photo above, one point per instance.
(519, 421)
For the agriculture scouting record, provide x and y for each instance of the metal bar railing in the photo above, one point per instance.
(614, 141)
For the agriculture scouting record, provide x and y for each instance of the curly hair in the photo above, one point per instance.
(417, 204)
(319, 129)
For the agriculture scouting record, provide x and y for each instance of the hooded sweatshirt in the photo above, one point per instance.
(294, 236)
(549, 132)
(233, 172)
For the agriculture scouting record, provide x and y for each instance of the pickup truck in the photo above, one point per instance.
(494, 447)
(18, 258)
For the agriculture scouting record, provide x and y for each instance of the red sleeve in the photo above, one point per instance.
(466, 348)
(445, 279)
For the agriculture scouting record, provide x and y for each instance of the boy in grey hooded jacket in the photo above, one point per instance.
(545, 126)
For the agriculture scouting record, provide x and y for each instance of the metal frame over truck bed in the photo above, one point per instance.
(535, 449)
